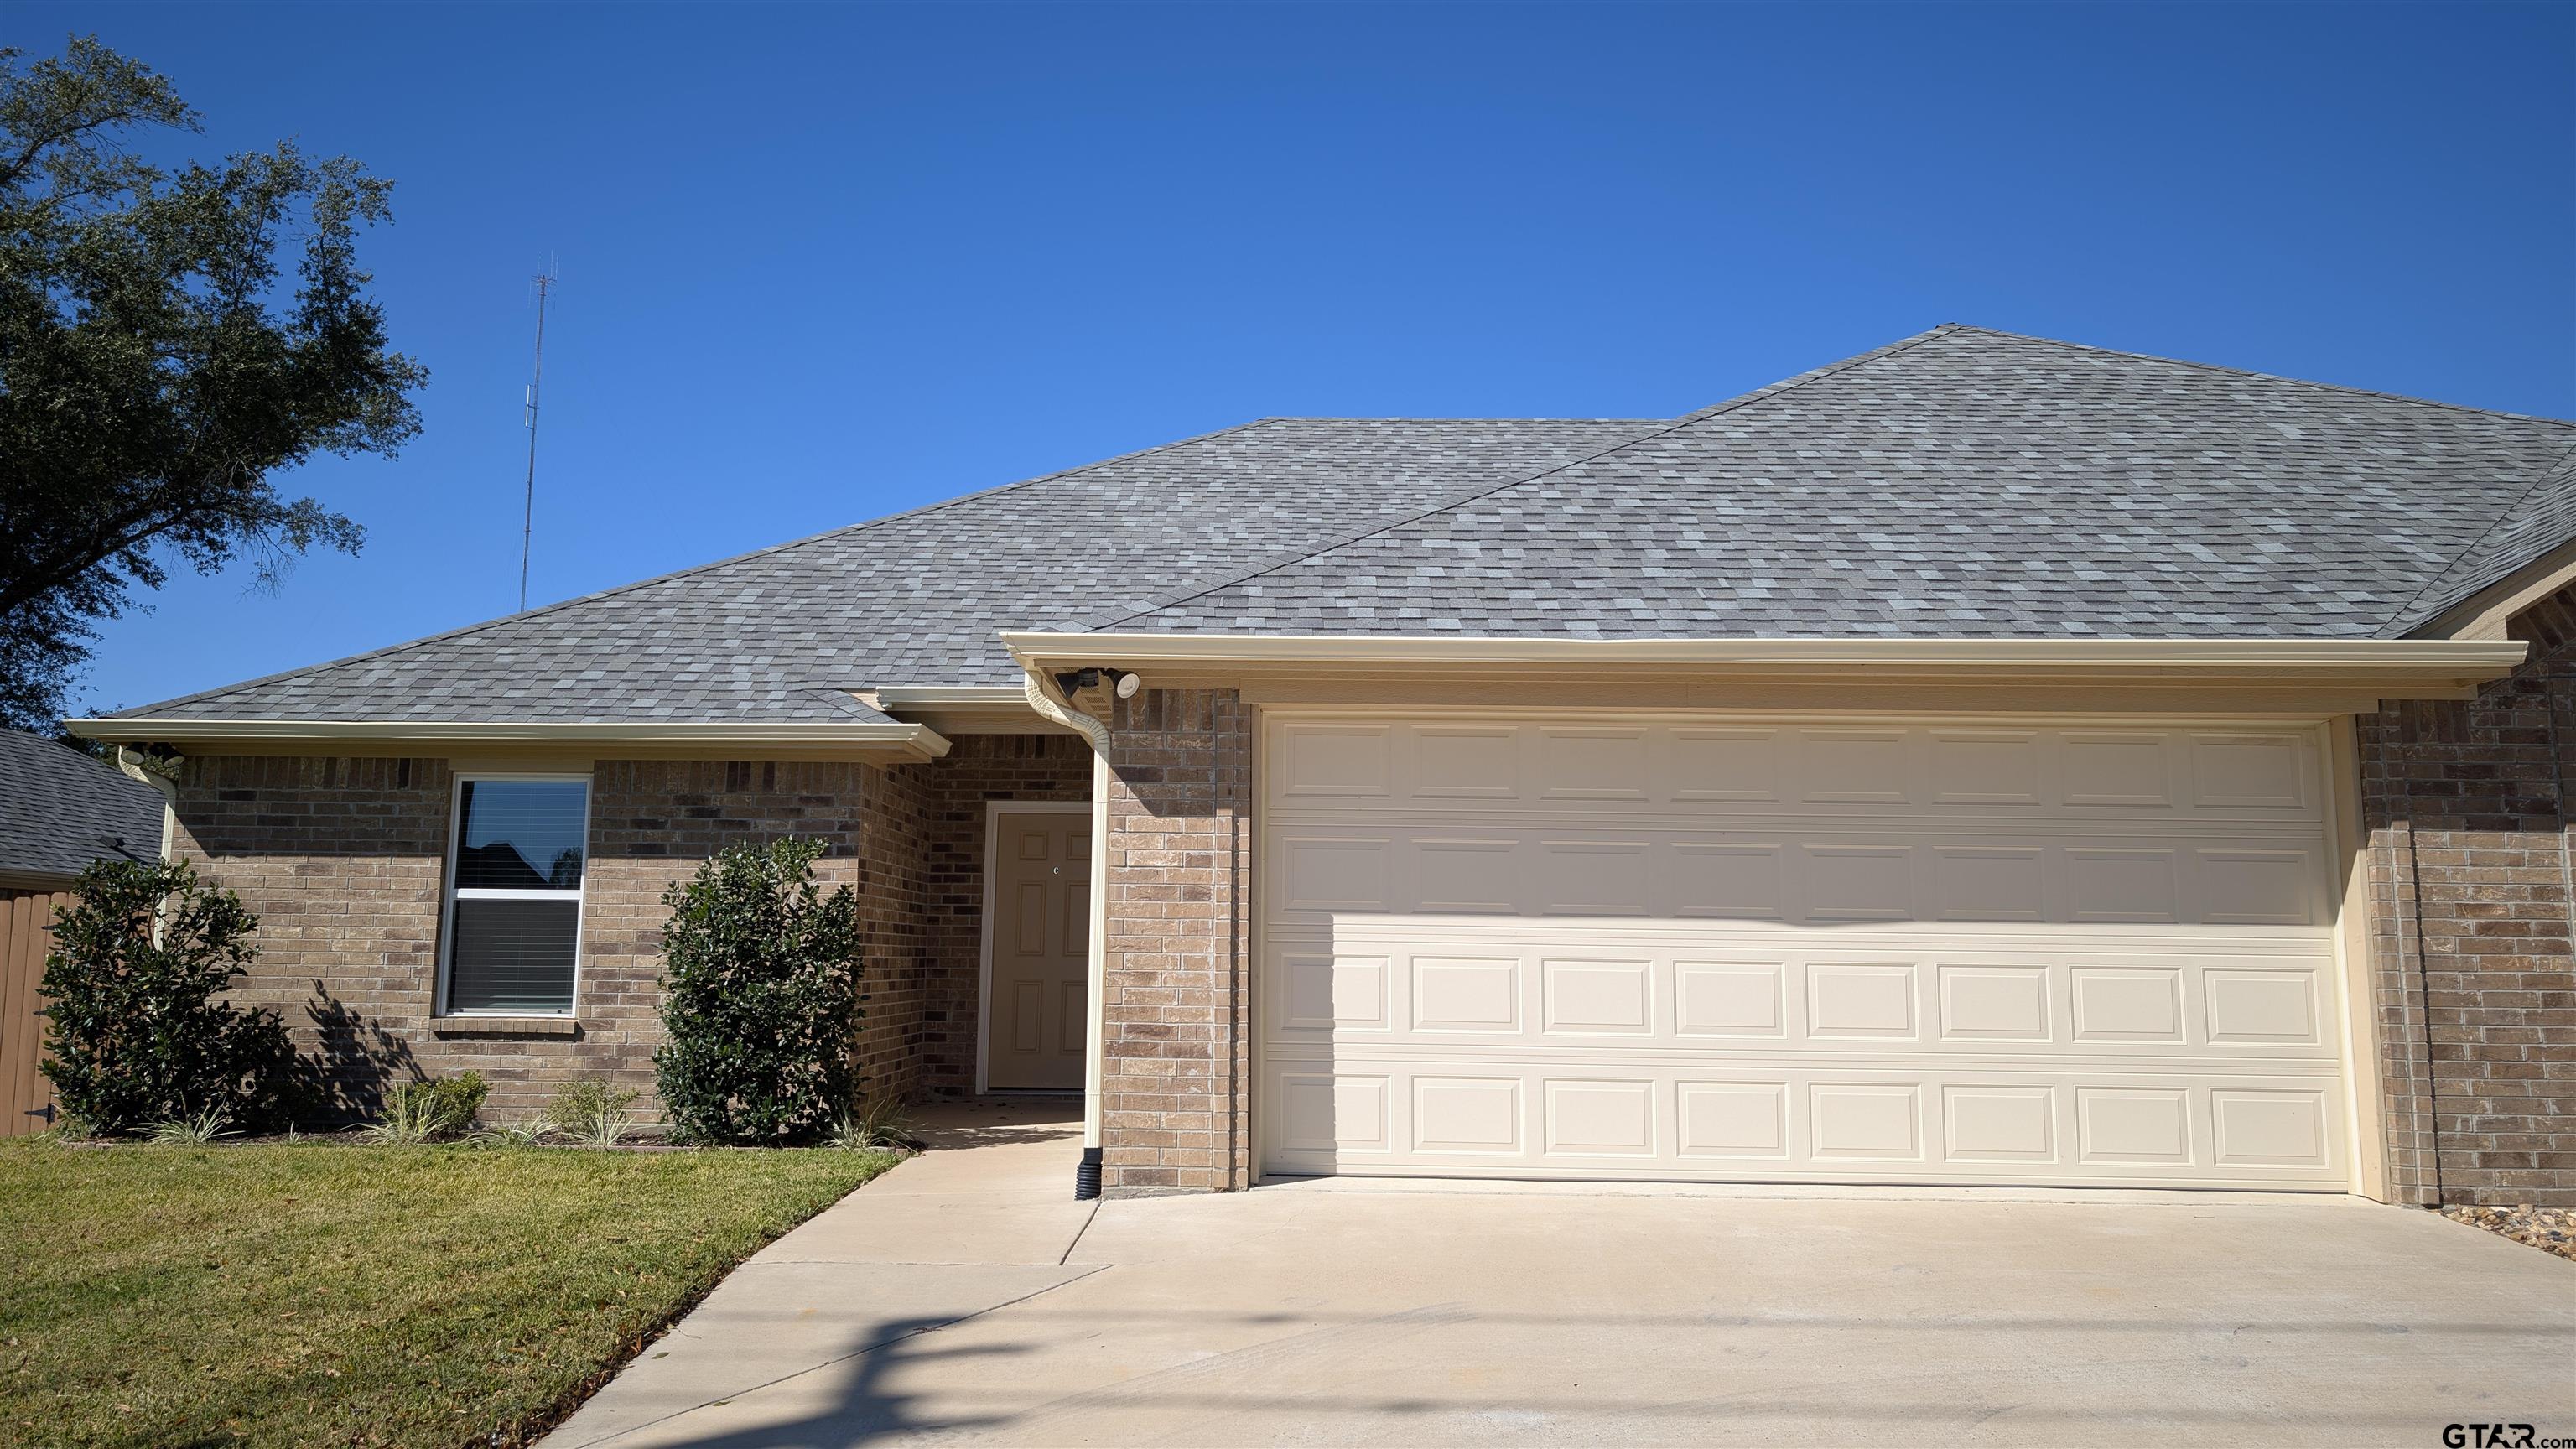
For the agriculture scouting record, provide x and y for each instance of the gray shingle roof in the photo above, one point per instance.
(61, 809)
(2541, 520)
(1958, 483)
(783, 634)
(1964, 483)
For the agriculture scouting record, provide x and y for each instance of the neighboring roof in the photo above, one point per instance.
(61, 809)
(1964, 483)
(919, 598)
(1961, 483)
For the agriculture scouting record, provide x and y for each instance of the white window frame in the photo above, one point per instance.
(450, 892)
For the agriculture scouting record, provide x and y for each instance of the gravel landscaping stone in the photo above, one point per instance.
(2551, 1230)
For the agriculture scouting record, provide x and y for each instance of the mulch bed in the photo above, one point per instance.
(2551, 1230)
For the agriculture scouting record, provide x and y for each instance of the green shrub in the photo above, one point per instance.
(134, 1032)
(431, 1110)
(514, 1134)
(876, 1126)
(761, 998)
(592, 1113)
(207, 1126)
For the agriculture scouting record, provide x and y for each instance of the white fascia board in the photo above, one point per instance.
(893, 737)
(2395, 660)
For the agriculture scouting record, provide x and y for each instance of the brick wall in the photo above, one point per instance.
(978, 769)
(653, 821)
(1175, 1108)
(895, 811)
(2467, 806)
(342, 859)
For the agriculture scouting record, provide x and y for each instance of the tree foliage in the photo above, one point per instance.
(761, 998)
(157, 366)
(134, 1030)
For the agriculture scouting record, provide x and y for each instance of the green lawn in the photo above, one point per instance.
(329, 1294)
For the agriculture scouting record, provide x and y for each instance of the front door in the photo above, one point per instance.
(1041, 865)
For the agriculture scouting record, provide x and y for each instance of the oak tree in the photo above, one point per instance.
(159, 365)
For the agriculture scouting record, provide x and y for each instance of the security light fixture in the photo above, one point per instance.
(1121, 682)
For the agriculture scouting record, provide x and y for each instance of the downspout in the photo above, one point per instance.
(135, 765)
(1086, 1178)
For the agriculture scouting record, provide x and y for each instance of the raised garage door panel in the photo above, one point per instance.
(1719, 949)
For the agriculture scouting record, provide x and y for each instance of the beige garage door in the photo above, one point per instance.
(1741, 949)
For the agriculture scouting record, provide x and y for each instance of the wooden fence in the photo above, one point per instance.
(26, 920)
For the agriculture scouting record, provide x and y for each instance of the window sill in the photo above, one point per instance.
(504, 1026)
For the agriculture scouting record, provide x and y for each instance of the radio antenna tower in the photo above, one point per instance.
(536, 377)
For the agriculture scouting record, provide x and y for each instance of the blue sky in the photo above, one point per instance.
(820, 263)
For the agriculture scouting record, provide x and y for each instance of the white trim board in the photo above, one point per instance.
(1038, 649)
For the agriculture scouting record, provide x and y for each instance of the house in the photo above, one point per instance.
(1983, 760)
(60, 809)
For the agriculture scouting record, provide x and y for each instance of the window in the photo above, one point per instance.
(514, 896)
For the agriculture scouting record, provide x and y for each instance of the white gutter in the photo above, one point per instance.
(919, 740)
(2438, 663)
(1035, 648)
(1041, 696)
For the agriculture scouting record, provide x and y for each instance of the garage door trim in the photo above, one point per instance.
(2329, 821)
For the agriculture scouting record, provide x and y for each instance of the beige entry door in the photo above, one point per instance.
(1038, 943)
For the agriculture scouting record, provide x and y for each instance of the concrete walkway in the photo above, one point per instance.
(982, 1219)
(962, 1299)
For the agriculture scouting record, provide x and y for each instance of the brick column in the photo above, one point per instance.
(2472, 898)
(1176, 1106)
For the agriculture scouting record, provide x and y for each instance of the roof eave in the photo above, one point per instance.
(964, 709)
(889, 741)
(35, 878)
(2396, 668)
(2488, 612)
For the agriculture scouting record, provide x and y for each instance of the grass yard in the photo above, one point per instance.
(311, 1293)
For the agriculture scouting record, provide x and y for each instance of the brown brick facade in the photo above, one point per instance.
(653, 821)
(2467, 807)
(343, 860)
(977, 770)
(1175, 1115)
(2466, 804)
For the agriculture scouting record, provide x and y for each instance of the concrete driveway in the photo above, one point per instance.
(964, 1299)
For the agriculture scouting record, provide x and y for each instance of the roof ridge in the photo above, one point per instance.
(1187, 592)
(2474, 544)
(2268, 376)
(147, 710)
